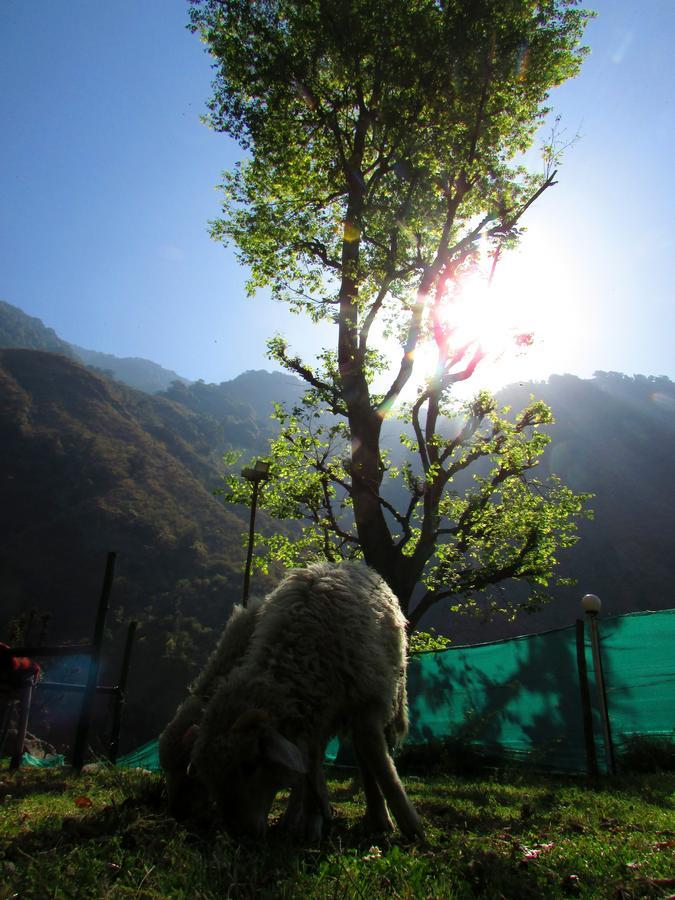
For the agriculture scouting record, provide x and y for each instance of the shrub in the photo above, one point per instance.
(647, 753)
(452, 756)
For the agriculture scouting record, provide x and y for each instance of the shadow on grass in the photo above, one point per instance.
(22, 784)
(114, 819)
(476, 836)
(142, 822)
(657, 791)
(537, 804)
(492, 875)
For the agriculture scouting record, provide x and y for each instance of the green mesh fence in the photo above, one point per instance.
(43, 762)
(519, 700)
(147, 756)
(638, 654)
(510, 699)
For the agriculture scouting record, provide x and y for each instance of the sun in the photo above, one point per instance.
(520, 318)
(479, 315)
(531, 321)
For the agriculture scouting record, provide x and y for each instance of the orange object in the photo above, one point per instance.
(15, 670)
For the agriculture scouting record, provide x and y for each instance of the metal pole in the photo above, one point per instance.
(94, 662)
(121, 695)
(602, 696)
(259, 473)
(249, 554)
(586, 713)
(26, 694)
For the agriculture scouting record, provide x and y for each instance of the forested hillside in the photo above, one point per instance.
(241, 407)
(17, 329)
(142, 374)
(614, 436)
(90, 465)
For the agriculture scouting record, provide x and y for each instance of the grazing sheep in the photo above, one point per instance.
(327, 656)
(186, 795)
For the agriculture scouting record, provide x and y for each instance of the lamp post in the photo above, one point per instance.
(585, 698)
(256, 475)
(592, 605)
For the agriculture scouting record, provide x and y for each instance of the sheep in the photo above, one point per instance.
(186, 796)
(327, 656)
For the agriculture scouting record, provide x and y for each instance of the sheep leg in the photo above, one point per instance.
(293, 814)
(371, 746)
(308, 811)
(322, 815)
(378, 819)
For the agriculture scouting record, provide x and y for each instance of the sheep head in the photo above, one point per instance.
(187, 797)
(245, 768)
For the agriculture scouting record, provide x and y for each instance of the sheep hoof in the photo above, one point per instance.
(315, 827)
(415, 833)
(379, 825)
(304, 827)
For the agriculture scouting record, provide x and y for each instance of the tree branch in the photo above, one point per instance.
(477, 580)
(513, 220)
(416, 493)
(317, 249)
(328, 506)
(391, 272)
(443, 257)
(327, 391)
(421, 442)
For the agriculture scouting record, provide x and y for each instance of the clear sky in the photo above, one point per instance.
(107, 183)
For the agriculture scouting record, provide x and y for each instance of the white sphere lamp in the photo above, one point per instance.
(591, 604)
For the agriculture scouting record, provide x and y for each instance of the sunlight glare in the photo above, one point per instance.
(535, 292)
(525, 321)
(478, 314)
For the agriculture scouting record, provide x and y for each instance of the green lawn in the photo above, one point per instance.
(106, 834)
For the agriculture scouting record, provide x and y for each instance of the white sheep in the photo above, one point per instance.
(186, 796)
(327, 656)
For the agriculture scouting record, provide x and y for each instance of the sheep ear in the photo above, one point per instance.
(279, 749)
(190, 735)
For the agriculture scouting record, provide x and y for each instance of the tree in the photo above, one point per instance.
(384, 145)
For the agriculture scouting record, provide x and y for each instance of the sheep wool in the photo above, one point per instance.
(327, 656)
(175, 743)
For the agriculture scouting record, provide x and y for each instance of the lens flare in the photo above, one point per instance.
(477, 315)
(531, 321)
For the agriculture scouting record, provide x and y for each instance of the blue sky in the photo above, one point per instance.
(108, 182)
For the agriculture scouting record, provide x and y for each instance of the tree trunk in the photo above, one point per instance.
(373, 531)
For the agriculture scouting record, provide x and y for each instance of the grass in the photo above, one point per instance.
(106, 834)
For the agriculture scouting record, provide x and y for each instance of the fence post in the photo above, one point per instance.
(121, 696)
(22, 724)
(87, 708)
(585, 694)
(592, 605)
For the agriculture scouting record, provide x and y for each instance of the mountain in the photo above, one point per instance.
(614, 436)
(138, 373)
(17, 329)
(241, 407)
(87, 466)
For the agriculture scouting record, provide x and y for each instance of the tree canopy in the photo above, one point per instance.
(384, 164)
